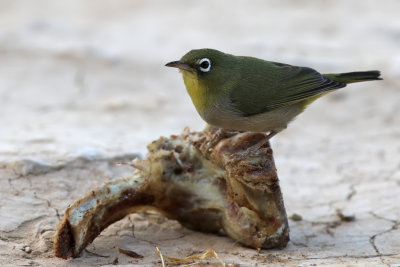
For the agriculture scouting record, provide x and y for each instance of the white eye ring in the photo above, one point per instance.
(205, 64)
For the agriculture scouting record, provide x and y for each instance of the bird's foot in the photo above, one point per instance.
(216, 134)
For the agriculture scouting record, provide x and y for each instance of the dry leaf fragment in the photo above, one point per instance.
(130, 253)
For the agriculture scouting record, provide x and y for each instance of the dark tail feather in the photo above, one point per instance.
(354, 77)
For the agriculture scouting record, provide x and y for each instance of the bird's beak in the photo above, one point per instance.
(180, 65)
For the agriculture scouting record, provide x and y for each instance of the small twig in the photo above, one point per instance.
(95, 254)
(161, 256)
(206, 255)
(131, 164)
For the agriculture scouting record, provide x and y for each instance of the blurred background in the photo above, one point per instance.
(82, 78)
(89, 75)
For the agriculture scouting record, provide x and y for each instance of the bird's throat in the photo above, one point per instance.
(197, 91)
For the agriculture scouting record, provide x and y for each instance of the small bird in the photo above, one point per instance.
(250, 94)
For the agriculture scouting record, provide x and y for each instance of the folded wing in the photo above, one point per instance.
(269, 85)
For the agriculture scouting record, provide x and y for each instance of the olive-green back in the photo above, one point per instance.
(270, 85)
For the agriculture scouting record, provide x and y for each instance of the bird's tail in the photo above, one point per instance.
(354, 77)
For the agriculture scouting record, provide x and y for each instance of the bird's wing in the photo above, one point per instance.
(266, 86)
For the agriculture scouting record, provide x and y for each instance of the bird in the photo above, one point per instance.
(245, 93)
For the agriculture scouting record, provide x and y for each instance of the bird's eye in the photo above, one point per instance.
(205, 64)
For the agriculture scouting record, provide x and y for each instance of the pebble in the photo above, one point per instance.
(296, 217)
(346, 216)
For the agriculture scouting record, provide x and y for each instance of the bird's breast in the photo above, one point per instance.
(224, 117)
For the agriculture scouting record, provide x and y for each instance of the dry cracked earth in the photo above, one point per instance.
(83, 86)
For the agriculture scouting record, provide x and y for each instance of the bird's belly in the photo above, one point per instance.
(263, 122)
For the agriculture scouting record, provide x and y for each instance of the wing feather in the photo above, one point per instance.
(268, 85)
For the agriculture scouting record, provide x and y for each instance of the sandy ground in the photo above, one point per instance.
(82, 85)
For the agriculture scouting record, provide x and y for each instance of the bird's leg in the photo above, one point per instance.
(271, 134)
(263, 141)
(257, 146)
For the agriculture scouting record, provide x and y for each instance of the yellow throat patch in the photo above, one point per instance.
(197, 91)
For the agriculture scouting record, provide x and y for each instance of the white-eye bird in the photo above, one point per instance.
(250, 94)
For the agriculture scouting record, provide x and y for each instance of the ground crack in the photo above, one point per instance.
(372, 239)
(352, 193)
(350, 257)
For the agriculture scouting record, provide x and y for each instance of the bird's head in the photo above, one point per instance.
(206, 73)
(201, 61)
